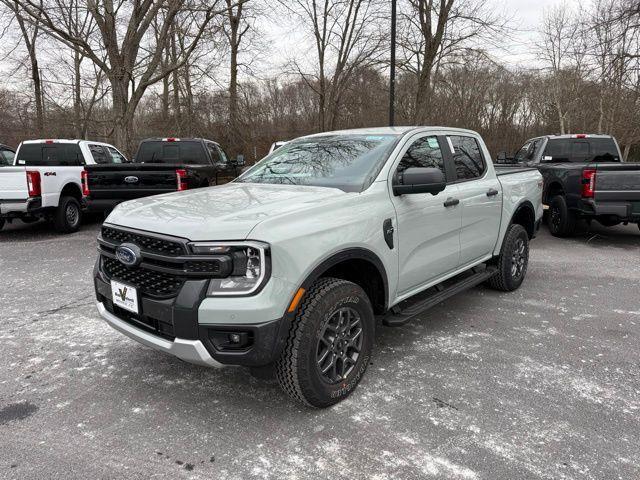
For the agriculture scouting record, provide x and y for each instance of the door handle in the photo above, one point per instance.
(492, 192)
(451, 202)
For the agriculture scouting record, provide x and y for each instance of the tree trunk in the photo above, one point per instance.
(77, 100)
(121, 123)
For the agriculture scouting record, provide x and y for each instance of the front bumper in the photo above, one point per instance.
(196, 328)
(192, 351)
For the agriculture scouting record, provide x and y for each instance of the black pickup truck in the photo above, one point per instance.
(160, 165)
(584, 178)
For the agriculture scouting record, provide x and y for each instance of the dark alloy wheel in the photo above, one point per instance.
(329, 345)
(513, 260)
(561, 221)
(339, 345)
(68, 215)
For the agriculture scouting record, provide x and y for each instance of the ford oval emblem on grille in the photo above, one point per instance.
(131, 179)
(128, 254)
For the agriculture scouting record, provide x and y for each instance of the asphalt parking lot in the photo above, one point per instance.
(540, 383)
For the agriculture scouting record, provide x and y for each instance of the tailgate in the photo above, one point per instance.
(130, 181)
(617, 182)
(13, 183)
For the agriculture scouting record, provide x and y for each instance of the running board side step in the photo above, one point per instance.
(407, 309)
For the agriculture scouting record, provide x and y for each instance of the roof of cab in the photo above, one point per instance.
(398, 131)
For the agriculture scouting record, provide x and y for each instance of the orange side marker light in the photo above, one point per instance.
(296, 300)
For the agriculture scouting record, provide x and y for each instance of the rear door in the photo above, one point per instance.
(480, 197)
(224, 172)
(428, 231)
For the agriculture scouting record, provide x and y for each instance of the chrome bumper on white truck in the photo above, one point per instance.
(192, 351)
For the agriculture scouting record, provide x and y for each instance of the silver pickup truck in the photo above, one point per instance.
(288, 266)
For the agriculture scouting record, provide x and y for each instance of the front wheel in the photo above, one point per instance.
(329, 345)
(68, 215)
(513, 260)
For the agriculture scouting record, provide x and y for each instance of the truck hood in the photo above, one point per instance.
(225, 212)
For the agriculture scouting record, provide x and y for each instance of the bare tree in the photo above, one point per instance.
(30, 33)
(346, 36)
(122, 28)
(433, 33)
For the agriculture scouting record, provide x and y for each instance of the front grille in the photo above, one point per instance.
(145, 322)
(150, 282)
(147, 243)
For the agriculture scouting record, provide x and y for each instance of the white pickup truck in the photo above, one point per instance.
(287, 267)
(45, 180)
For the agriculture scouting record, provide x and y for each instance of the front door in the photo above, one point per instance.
(428, 231)
(480, 197)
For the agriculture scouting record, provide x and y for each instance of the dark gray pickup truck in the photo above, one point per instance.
(584, 178)
(161, 165)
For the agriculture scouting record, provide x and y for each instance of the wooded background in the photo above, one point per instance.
(123, 70)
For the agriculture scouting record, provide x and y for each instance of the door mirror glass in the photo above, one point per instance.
(240, 160)
(419, 180)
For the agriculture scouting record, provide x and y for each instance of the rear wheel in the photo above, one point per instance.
(329, 345)
(561, 221)
(513, 260)
(68, 215)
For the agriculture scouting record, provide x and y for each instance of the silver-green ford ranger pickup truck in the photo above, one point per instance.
(289, 267)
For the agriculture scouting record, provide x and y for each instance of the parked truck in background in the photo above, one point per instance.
(287, 266)
(7, 155)
(45, 180)
(584, 178)
(160, 165)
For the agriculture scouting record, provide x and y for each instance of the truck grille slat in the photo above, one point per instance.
(148, 243)
(158, 284)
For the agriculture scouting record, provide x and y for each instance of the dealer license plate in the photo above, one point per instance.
(125, 296)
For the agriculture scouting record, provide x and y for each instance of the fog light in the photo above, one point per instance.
(234, 338)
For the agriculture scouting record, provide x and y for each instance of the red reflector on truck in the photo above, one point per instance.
(588, 182)
(33, 183)
(181, 179)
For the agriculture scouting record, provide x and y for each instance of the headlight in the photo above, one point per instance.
(251, 266)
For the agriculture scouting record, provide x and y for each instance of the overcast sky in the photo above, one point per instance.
(287, 42)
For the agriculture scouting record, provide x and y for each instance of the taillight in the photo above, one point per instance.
(85, 183)
(588, 182)
(33, 183)
(181, 179)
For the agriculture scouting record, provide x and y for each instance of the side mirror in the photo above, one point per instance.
(502, 157)
(239, 160)
(419, 180)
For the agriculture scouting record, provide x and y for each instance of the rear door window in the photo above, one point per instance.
(467, 157)
(99, 154)
(213, 151)
(50, 155)
(116, 156)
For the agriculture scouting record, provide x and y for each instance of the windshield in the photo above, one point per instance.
(347, 162)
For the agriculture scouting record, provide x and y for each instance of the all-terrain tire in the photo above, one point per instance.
(513, 260)
(68, 216)
(560, 220)
(299, 369)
